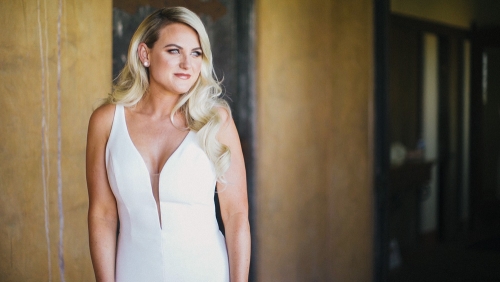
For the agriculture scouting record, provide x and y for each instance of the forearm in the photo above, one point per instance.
(102, 241)
(237, 232)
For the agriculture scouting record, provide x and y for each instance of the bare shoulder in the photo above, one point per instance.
(104, 113)
(225, 116)
(228, 134)
(101, 119)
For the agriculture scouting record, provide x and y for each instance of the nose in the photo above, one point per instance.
(185, 62)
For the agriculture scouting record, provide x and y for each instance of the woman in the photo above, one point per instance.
(156, 150)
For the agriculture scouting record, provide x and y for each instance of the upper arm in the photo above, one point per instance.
(101, 199)
(233, 193)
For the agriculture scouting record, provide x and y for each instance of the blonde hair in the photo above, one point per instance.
(201, 104)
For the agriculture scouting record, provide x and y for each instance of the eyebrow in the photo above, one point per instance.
(177, 46)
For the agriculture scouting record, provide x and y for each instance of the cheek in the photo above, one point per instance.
(162, 67)
(166, 61)
(197, 67)
(170, 63)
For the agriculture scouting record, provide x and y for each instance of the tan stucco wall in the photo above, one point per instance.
(314, 140)
(85, 76)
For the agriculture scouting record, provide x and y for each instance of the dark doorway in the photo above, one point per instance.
(443, 193)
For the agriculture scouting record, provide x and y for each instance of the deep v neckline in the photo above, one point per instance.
(139, 152)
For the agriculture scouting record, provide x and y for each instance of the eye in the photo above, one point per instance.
(173, 51)
(196, 53)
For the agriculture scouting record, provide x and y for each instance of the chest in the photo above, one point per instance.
(155, 139)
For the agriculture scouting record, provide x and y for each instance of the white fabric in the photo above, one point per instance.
(188, 245)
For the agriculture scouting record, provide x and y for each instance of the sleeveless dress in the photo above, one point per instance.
(187, 244)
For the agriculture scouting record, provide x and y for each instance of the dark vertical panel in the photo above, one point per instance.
(491, 125)
(476, 122)
(244, 104)
(444, 130)
(404, 86)
(405, 113)
(420, 88)
(381, 159)
(453, 190)
(449, 153)
(460, 130)
(485, 213)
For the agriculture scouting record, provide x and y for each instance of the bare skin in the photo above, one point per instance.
(102, 214)
(174, 65)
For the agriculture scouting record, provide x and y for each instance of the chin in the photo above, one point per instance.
(182, 90)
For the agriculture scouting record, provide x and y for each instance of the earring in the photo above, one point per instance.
(146, 64)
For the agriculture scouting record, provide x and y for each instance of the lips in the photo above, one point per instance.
(183, 75)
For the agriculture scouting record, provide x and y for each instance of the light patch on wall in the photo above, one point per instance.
(59, 138)
(45, 144)
(45, 95)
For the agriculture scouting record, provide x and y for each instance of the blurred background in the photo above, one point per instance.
(370, 131)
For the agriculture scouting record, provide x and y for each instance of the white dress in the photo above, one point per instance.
(187, 245)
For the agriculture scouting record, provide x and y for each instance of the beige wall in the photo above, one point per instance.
(314, 144)
(85, 76)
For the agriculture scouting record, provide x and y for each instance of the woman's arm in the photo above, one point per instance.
(234, 204)
(102, 215)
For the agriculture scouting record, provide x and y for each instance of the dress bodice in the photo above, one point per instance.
(187, 244)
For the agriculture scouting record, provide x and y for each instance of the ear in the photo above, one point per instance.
(143, 52)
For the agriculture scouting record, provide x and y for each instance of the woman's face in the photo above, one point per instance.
(175, 59)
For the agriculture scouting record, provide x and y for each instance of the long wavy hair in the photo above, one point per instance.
(201, 104)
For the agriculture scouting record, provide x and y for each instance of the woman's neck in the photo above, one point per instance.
(158, 105)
